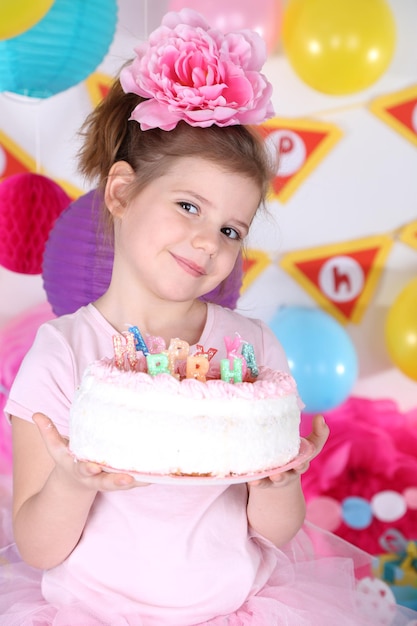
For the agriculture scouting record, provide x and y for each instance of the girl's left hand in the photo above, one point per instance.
(318, 437)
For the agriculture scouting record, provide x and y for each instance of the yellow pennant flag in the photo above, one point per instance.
(98, 86)
(254, 263)
(341, 277)
(300, 145)
(13, 159)
(399, 110)
(408, 234)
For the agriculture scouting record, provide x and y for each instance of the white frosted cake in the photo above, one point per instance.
(162, 424)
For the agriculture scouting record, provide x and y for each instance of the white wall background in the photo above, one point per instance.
(366, 185)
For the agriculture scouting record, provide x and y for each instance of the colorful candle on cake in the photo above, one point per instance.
(232, 347)
(248, 354)
(140, 342)
(234, 375)
(124, 348)
(178, 350)
(157, 364)
(197, 367)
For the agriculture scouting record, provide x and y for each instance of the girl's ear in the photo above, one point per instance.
(120, 176)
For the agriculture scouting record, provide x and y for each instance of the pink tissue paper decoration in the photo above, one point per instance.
(29, 206)
(372, 448)
(16, 337)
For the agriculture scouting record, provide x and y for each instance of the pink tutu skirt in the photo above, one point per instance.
(319, 580)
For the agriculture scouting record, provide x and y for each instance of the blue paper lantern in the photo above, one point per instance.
(320, 354)
(61, 50)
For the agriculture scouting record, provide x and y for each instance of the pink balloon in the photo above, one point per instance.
(263, 16)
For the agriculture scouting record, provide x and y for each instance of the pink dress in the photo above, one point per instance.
(175, 555)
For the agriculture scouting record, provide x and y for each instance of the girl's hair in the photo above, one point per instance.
(110, 136)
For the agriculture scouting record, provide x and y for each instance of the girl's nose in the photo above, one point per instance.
(206, 239)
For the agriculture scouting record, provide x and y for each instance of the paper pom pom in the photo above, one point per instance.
(16, 338)
(29, 206)
(78, 260)
(367, 465)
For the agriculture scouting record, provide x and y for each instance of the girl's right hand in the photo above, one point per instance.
(86, 473)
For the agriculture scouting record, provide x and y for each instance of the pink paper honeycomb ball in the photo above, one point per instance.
(29, 206)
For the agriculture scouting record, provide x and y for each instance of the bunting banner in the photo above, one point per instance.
(13, 159)
(399, 110)
(341, 277)
(408, 234)
(254, 263)
(98, 85)
(300, 146)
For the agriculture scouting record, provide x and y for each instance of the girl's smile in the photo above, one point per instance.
(189, 266)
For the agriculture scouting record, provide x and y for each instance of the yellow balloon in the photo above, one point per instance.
(338, 46)
(18, 16)
(401, 330)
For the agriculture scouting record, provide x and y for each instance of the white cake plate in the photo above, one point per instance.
(305, 453)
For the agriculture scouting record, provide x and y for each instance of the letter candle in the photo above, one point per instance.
(209, 354)
(178, 349)
(155, 344)
(197, 367)
(157, 364)
(248, 354)
(229, 375)
(232, 346)
(140, 342)
(124, 345)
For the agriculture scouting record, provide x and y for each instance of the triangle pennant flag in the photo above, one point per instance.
(13, 160)
(399, 110)
(98, 86)
(73, 191)
(299, 145)
(254, 262)
(408, 234)
(340, 277)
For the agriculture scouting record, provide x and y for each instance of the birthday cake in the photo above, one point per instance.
(165, 415)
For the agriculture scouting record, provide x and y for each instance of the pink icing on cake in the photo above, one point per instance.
(270, 384)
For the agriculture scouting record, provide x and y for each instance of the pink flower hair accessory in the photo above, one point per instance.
(191, 72)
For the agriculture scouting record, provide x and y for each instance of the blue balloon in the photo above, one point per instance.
(320, 354)
(61, 50)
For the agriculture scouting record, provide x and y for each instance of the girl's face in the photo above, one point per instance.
(180, 237)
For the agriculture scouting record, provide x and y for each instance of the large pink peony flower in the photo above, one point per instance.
(369, 460)
(189, 71)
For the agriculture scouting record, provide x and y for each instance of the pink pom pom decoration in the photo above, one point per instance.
(16, 337)
(29, 206)
(370, 454)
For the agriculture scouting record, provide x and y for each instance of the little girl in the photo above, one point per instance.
(182, 176)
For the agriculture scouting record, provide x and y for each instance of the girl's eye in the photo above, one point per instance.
(231, 233)
(187, 206)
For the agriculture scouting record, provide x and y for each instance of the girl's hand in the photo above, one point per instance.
(85, 473)
(318, 438)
